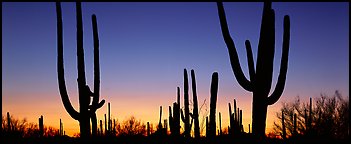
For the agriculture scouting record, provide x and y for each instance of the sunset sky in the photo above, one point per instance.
(144, 48)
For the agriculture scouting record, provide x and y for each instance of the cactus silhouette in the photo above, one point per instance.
(41, 126)
(220, 124)
(186, 114)
(207, 127)
(148, 129)
(8, 122)
(86, 111)
(261, 78)
(159, 122)
(213, 103)
(236, 126)
(308, 118)
(61, 128)
(195, 110)
(283, 126)
(295, 125)
(174, 121)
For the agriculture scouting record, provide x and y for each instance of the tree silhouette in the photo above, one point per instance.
(261, 78)
(86, 111)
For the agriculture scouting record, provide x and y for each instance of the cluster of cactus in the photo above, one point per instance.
(110, 128)
(177, 112)
(236, 126)
(86, 111)
(260, 78)
(162, 129)
(174, 120)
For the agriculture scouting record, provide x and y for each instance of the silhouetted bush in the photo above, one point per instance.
(329, 118)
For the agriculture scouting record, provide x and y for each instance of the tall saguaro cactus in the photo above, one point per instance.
(261, 78)
(186, 106)
(196, 109)
(86, 111)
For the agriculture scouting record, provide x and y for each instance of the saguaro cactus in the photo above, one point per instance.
(8, 122)
(174, 121)
(261, 78)
(213, 103)
(283, 126)
(148, 129)
(86, 111)
(196, 109)
(61, 128)
(235, 118)
(220, 124)
(186, 106)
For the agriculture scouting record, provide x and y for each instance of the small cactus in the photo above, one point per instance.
(283, 126)
(41, 126)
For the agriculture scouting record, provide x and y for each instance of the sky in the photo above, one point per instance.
(144, 48)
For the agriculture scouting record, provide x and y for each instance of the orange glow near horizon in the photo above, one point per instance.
(142, 109)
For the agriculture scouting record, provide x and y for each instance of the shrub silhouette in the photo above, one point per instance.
(132, 127)
(261, 77)
(86, 111)
(21, 129)
(328, 118)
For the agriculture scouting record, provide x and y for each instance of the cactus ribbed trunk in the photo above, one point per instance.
(213, 103)
(259, 114)
(260, 79)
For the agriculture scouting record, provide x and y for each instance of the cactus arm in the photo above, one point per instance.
(250, 61)
(178, 96)
(283, 64)
(80, 50)
(60, 68)
(96, 65)
(234, 59)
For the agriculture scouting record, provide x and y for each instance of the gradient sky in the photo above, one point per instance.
(144, 48)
